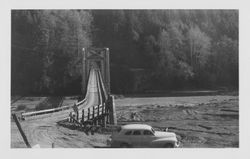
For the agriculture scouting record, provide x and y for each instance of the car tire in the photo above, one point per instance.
(124, 145)
(168, 145)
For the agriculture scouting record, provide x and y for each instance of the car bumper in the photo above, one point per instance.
(109, 141)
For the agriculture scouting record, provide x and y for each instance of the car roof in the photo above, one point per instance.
(137, 126)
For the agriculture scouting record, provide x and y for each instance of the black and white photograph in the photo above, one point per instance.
(135, 79)
(124, 78)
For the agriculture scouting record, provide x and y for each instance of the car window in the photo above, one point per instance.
(128, 133)
(137, 132)
(147, 132)
(153, 130)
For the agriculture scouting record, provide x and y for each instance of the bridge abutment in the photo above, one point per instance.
(113, 119)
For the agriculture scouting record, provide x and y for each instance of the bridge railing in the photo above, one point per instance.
(103, 113)
(93, 113)
(53, 110)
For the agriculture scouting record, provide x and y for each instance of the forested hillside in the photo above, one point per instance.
(149, 49)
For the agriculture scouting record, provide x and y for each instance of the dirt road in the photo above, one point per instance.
(44, 131)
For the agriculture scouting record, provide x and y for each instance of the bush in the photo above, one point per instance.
(21, 107)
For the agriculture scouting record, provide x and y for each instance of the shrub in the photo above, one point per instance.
(21, 107)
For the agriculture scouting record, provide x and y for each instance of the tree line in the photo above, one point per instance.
(149, 49)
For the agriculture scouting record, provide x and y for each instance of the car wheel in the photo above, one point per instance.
(124, 145)
(169, 145)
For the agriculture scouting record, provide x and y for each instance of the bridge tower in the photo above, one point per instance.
(99, 56)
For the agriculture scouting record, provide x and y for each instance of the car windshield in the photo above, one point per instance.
(153, 130)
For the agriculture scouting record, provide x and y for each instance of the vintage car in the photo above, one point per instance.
(141, 135)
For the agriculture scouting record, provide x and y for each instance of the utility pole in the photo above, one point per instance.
(21, 130)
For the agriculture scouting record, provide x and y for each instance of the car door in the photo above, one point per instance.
(127, 137)
(136, 138)
(147, 138)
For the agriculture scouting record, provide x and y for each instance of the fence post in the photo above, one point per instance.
(93, 115)
(103, 106)
(107, 111)
(98, 111)
(88, 113)
(82, 115)
(104, 115)
(98, 114)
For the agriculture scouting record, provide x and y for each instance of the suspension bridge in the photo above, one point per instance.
(96, 109)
